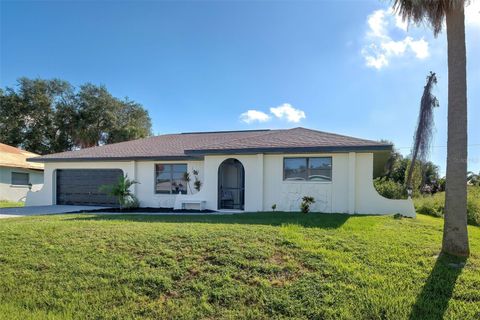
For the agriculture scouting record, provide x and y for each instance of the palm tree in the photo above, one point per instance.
(121, 190)
(455, 235)
(424, 132)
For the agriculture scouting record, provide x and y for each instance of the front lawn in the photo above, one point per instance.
(11, 204)
(256, 266)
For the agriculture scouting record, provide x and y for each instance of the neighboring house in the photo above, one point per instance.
(17, 175)
(239, 170)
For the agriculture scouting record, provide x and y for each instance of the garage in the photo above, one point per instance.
(82, 186)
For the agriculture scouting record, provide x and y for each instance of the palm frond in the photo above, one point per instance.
(430, 11)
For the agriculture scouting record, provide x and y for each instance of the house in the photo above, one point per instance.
(238, 170)
(17, 175)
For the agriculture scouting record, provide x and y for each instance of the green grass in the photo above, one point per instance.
(11, 204)
(434, 205)
(251, 266)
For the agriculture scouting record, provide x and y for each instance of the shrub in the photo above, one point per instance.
(416, 177)
(274, 207)
(435, 205)
(441, 184)
(131, 202)
(120, 190)
(389, 188)
(306, 202)
(473, 205)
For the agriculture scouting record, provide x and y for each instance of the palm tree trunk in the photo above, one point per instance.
(410, 172)
(455, 235)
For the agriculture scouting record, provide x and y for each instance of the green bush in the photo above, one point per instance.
(121, 190)
(431, 205)
(389, 188)
(131, 202)
(306, 202)
(435, 205)
(473, 205)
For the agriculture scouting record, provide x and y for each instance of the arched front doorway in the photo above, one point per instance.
(231, 185)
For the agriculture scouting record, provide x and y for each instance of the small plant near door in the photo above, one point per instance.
(274, 207)
(121, 190)
(306, 202)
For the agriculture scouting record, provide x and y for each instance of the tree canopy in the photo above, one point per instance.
(392, 183)
(47, 116)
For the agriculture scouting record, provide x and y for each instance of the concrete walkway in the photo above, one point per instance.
(40, 210)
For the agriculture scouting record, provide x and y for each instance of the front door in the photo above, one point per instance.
(231, 185)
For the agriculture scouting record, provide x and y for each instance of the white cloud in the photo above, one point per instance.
(420, 47)
(286, 111)
(396, 48)
(283, 112)
(254, 115)
(386, 39)
(381, 47)
(378, 61)
(399, 23)
(376, 23)
(472, 14)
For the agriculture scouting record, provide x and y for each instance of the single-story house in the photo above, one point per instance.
(17, 176)
(238, 170)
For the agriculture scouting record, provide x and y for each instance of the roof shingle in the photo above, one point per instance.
(17, 158)
(195, 145)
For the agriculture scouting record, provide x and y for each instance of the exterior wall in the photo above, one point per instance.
(18, 193)
(253, 166)
(145, 190)
(350, 191)
(287, 195)
(367, 199)
(47, 195)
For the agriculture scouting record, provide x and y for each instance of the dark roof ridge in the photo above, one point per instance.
(269, 132)
(210, 146)
(226, 131)
(340, 135)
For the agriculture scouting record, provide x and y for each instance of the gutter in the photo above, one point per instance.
(335, 149)
(135, 158)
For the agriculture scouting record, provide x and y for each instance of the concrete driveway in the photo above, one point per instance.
(39, 210)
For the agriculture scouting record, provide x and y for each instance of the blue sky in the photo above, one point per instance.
(348, 67)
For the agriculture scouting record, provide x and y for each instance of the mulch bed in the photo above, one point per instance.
(149, 210)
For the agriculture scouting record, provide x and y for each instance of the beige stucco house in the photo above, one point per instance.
(17, 176)
(238, 170)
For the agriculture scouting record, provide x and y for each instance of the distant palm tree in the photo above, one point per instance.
(455, 235)
(424, 132)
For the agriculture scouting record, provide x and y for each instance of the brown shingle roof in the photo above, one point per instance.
(191, 145)
(17, 158)
(288, 141)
